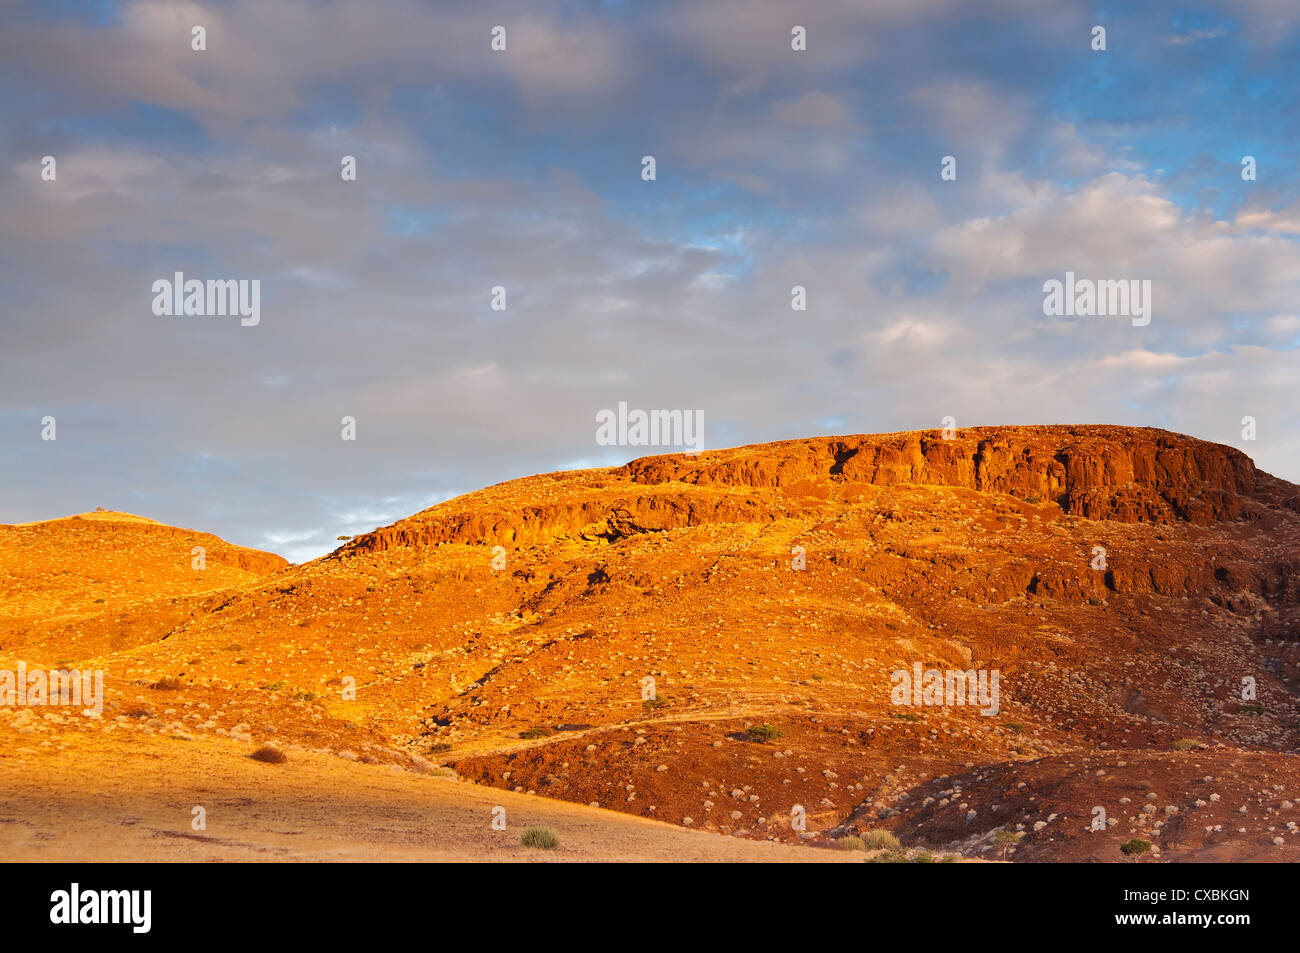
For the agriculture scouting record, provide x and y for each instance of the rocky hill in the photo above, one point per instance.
(715, 642)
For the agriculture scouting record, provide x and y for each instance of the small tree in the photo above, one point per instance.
(1006, 840)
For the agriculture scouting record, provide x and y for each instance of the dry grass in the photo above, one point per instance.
(269, 755)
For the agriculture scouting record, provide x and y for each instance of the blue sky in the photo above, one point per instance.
(522, 169)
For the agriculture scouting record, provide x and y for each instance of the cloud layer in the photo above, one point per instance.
(523, 169)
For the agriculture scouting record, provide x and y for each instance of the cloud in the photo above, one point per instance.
(522, 170)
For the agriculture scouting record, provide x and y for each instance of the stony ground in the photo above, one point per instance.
(508, 635)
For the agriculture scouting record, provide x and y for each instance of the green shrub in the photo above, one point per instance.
(888, 857)
(764, 733)
(538, 732)
(1135, 848)
(850, 842)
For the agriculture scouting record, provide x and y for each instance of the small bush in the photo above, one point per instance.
(889, 857)
(538, 732)
(651, 704)
(137, 711)
(273, 687)
(541, 837)
(850, 842)
(906, 716)
(878, 840)
(1016, 726)
(1252, 710)
(1135, 848)
(269, 755)
(1095, 600)
(764, 733)
(1186, 744)
(167, 684)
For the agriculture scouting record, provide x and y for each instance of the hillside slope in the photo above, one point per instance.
(1122, 582)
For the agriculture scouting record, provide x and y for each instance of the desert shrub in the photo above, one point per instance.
(1186, 744)
(273, 687)
(167, 684)
(269, 755)
(1016, 726)
(540, 837)
(850, 842)
(764, 733)
(888, 857)
(651, 704)
(538, 732)
(137, 711)
(877, 840)
(1135, 848)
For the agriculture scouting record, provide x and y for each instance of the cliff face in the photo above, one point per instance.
(1101, 473)
(1120, 474)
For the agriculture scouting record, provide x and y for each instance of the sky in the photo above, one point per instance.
(522, 169)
